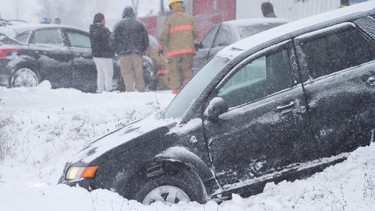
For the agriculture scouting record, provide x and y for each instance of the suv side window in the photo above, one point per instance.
(258, 78)
(47, 36)
(78, 40)
(330, 52)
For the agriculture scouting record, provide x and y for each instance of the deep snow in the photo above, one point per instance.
(41, 128)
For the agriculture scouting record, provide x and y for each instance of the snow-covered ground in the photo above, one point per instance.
(41, 128)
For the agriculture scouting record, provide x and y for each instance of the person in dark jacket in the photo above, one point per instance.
(102, 52)
(130, 40)
(267, 10)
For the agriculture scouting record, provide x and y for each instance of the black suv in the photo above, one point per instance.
(282, 104)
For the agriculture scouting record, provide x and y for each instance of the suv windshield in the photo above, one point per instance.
(194, 88)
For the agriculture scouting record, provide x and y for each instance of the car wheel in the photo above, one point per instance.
(24, 77)
(167, 189)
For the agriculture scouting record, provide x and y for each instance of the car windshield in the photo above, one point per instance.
(194, 88)
(247, 31)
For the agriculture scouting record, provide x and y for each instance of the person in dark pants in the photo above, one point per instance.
(102, 52)
(130, 41)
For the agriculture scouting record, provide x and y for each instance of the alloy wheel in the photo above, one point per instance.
(166, 194)
(24, 77)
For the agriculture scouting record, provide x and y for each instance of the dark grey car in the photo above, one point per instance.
(282, 104)
(31, 53)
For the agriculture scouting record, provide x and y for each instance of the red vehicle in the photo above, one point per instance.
(208, 13)
(205, 12)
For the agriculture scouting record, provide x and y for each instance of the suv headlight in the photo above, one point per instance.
(75, 172)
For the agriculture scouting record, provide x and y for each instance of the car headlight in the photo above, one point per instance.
(75, 172)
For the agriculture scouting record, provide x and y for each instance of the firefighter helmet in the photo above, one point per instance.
(174, 1)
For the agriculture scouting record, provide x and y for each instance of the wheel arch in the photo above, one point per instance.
(25, 62)
(174, 160)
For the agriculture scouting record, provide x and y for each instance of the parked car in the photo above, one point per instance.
(229, 32)
(32, 53)
(279, 105)
(4, 22)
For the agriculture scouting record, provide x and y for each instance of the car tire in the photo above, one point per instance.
(24, 77)
(168, 189)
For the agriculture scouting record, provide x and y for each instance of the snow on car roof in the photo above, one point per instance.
(294, 28)
(19, 28)
(252, 21)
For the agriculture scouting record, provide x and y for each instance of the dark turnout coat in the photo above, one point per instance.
(129, 35)
(99, 38)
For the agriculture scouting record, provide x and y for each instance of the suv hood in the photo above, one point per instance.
(123, 136)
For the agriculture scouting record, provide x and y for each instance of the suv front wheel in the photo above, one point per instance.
(169, 190)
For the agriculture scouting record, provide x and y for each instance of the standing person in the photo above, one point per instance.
(102, 52)
(57, 21)
(267, 10)
(178, 35)
(130, 40)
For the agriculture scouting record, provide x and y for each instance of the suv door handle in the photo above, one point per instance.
(283, 107)
(371, 81)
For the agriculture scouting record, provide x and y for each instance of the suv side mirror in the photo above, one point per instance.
(216, 107)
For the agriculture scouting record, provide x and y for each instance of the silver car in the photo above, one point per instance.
(227, 33)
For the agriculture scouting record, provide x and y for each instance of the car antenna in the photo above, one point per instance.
(157, 101)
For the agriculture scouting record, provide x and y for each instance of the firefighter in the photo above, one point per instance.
(177, 42)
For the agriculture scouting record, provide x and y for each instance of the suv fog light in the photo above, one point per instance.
(75, 173)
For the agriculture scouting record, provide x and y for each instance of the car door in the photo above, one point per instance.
(53, 56)
(84, 69)
(338, 62)
(266, 127)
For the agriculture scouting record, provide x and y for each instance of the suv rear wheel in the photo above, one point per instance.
(24, 77)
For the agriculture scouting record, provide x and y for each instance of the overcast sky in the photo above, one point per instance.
(112, 9)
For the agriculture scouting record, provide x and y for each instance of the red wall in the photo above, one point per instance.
(206, 14)
(151, 24)
(210, 12)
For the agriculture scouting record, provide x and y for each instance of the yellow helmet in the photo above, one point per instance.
(174, 1)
